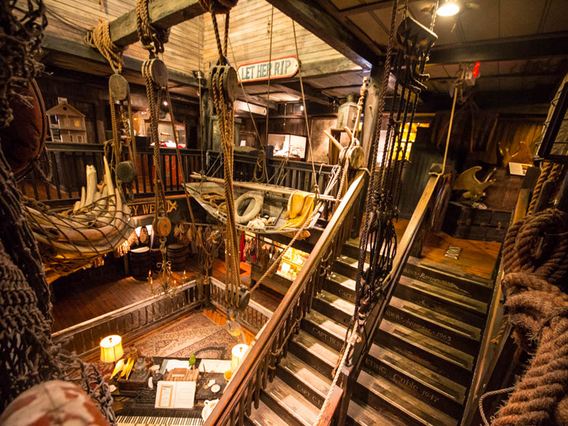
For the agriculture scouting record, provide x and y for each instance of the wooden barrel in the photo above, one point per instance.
(140, 262)
(177, 256)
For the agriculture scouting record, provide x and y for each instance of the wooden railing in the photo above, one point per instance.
(494, 338)
(360, 350)
(129, 322)
(259, 364)
(297, 174)
(68, 161)
(255, 315)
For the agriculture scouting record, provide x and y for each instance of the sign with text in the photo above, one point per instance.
(143, 209)
(279, 68)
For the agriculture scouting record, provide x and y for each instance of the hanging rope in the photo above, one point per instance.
(99, 38)
(223, 82)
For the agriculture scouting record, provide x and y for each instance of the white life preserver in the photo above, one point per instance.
(252, 210)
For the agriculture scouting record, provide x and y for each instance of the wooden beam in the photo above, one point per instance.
(370, 7)
(327, 27)
(293, 88)
(163, 14)
(80, 57)
(527, 47)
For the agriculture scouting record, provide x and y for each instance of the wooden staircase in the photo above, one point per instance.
(421, 363)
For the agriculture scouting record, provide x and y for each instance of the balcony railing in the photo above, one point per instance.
(67, 163)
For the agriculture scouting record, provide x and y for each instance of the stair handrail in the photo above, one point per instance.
(260, 362)
(350, 372)
(496, 330)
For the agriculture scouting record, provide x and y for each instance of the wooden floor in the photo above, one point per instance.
(87, 299)
(476, 258)
(91, 298)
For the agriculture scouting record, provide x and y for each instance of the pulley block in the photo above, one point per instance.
(125, 171)
(158, 72)
(119, 87)
(240, 299)
(227, 76)
(162, 226)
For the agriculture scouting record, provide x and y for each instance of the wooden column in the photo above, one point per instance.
(371, 106)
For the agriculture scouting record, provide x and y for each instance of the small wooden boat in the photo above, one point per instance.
(260, 208)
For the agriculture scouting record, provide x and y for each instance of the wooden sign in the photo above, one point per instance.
(279, 68)
(142, 209)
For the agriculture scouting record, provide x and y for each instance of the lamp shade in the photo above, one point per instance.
(111, 348)
(238, 352)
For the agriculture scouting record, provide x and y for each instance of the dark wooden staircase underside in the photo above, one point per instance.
(421, 363)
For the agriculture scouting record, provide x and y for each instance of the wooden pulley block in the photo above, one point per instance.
(159, 72)
(119, 87)
(230, 83)
(356, 157)
(125, 171)
(162, 226)
(244, 298)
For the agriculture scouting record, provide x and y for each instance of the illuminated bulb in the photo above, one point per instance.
(448, 8)
(165, 103)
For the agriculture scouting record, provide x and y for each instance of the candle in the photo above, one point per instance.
(238, 352)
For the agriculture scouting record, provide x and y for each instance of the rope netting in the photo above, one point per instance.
(27, 354)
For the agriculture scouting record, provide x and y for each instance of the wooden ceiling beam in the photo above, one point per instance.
(501, 50)
(293, 88)
(163, 14)
(327, 27)
(370, 7)
(84, 55)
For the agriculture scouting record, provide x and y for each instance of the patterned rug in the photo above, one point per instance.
(196, 334)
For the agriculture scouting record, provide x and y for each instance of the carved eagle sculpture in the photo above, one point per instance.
(473, 187)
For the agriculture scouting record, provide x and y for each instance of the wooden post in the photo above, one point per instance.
(370, 110)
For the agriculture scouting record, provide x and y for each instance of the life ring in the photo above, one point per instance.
(255, 201)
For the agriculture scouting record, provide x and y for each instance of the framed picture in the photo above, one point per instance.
(554, 145)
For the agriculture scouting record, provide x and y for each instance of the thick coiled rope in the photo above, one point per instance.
(535, 259)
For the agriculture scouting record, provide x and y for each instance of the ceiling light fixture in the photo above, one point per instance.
(449, 8)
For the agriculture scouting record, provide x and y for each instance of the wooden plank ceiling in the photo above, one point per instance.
(522, 44)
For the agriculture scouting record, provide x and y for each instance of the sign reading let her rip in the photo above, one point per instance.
(279, 68)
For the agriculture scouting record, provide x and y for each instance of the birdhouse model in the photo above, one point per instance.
(67, 124)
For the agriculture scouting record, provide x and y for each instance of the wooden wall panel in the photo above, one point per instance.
(69, 19)
(250, 38)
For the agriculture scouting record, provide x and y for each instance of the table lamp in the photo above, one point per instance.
(111, 348)
(238, 352)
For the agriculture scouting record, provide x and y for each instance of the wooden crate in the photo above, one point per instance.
(463, 221)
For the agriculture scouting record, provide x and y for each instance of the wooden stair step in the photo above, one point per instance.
(419, 381)
(314, 352)
(378, 391)
(264, 416)
(304, 379)
(324, 328)
(351, 248)
(361, 414)
(340, 285)
(334, 307)
(475, 287)
(289, 404)
(347, 266)
(427, 344)
(444, 301)
(441, 327)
